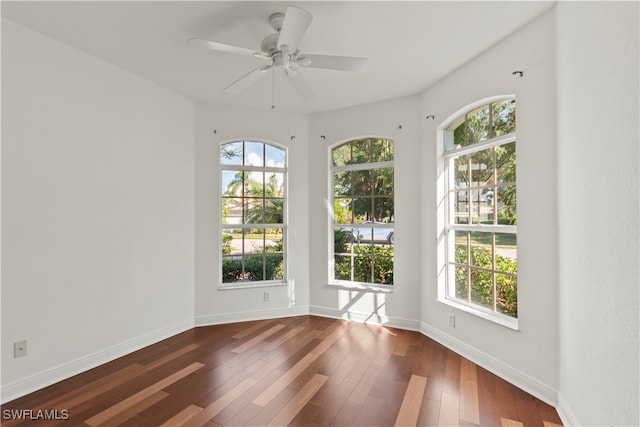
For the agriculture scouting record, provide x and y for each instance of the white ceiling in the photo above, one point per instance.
(410, 45)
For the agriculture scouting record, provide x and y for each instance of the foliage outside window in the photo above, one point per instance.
(253, 226)
(363, 217)
(482, 257)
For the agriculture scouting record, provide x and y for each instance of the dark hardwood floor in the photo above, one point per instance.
(303, 371)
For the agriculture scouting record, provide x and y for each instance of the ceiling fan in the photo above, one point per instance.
(281, 48)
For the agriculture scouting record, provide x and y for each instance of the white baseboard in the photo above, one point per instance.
(375, 319)
(246, 316)
(515, 377)
(567, 416)
(51, 376)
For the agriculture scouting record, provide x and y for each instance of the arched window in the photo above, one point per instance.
(363, 212)
(253, 177)
(479, 157)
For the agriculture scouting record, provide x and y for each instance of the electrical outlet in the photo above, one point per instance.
(19, 349)
(266, 297)
(452, 320)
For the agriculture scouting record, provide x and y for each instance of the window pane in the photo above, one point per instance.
(253, 154)
(461, 207)
(383, 209)
(342, 267)
(478, 125)
(504, 117)
(273, 211)
(254, 241)
(274, 157)
(254, 211)
(231, 154)
(383, 181)
(362, 208)
(506, 253)
(506, 163)
(506, 205)
(481, 253)
(253, 184)
(362, 268)
(461, 246)
(232, 209)
(342, 183)
(274, 266)
(383, 269)
(253, 268)
(482, 167)
(232, 182)
(231, 269)
(343, 239)
(274, 184)
(482, 287)
(507, 294)
(361, 151)
(342, 210)
(461, 277)
(362, 182)
(232, 242)
(455, 135)
(461, 171)
(483, 211)
(342, 155)
(382, 150)
(274, 240)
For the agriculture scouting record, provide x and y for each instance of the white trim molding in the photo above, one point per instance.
(370, 318)
(567, 416)
(67, 370)
(515, 377)
(248, 316)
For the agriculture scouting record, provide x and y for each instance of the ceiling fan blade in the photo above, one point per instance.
(228, 48)
(301, 86)
(295, 24)
(340, 63)
(247, 79)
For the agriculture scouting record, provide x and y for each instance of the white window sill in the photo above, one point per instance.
(357, 286)
(246, 285)
(500, 319)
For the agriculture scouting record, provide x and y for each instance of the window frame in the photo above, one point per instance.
(249, 226)
(332, 225)
(449, 227)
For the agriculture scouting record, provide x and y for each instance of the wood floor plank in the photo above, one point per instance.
(134, 410)
(506, 422)
(300, 399)
(105, 415)
(218, 405)
(182, 417)
(449, 408)
(250, 329)
(270, 345)
(410, 408)
(304, 371)
(469, 399)
(298, 368)
(257, 339)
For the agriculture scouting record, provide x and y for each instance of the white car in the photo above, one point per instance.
(362, 233)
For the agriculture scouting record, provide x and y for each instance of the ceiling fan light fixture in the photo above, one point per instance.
(282, 49)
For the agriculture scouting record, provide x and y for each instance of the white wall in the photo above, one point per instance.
(212, 305)
(97, 210)
(598, 193)
(527, 357)
(401, 306)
